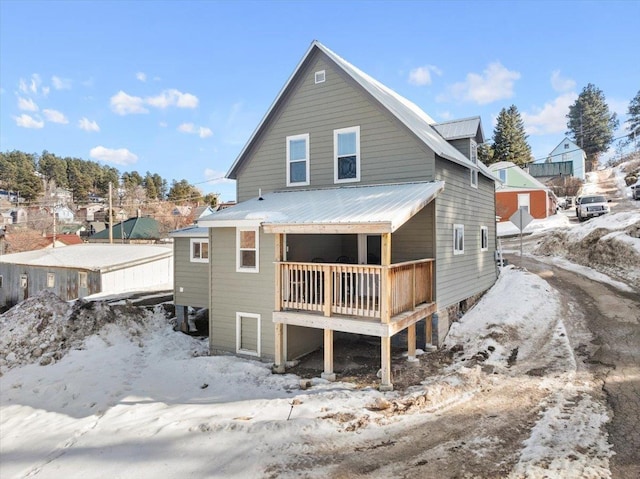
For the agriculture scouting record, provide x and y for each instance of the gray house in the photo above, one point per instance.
(77, 271)
(355, 214)
(191, 270)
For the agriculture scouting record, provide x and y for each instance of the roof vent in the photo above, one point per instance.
(320, 76)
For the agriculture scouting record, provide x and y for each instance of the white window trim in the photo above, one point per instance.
(484, 233)
(473, 177)
(473, 152)
(192, 257)
(457, 227)
(320, 76)
(304, 136)
(352, 129)
(239, 268)
(51, 280)
(239, 350)
(83, 277)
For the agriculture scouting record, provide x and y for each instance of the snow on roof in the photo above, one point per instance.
(406, 111)
(96, 257)
(384, 207)
(192, 231)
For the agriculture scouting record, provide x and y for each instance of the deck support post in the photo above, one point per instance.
(279, 364)
(328, 373)
(411, 343)
(428, 331)
(385, 359)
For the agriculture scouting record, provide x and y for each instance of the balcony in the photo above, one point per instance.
(365, 299)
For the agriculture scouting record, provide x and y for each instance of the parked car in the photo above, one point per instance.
(590, 206)
(635, 190)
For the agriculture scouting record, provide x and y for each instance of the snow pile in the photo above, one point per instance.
(43, 328)
(559, 220)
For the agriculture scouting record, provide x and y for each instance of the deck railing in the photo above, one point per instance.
(354, 290)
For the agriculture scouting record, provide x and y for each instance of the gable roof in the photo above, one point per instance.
(67, 239)
(573, 144)
(503, 165)
(463, 128)
(404, 110)
(379, 208)
(134, 228)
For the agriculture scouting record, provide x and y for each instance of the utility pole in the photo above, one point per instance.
(110, 214)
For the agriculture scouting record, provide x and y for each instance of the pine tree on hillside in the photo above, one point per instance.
(634, 119)
(591, 124)
(510, 139)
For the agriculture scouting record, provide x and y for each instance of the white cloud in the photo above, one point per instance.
(33, 86)
(55, 116)
(201, 131)
(120, 156)
(26, 121)
(61, 83)
(551, 118)
(173, 97)
(88, 125)
(422, 75)
(27, 104)
(495, 83)
(141, 76)
(124, 104)
(561, 84)
(215, 177)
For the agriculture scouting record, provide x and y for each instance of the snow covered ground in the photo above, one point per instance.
(107, 391)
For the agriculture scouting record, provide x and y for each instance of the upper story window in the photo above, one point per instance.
(247, 246)
(458, 239)
(474, 152)
(502, 174)
(320, 76)
(346, 148)
(298, 160)
(566, 146)
(199, 250)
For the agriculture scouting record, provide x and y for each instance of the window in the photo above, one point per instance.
(458, 239)
(248, 334)
(473, 177)
(524, 201)
(199, 250)
(247, 246)
(298, 160)
(346, 151)
(320, 76)
(566, 146)
(565, 157)
(0, 281)
(51, 280)
(24, 281)
(502, 174)
(82, 279)
(484, 238)
(474, 152)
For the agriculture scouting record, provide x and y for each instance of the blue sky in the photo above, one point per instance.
(177, 88)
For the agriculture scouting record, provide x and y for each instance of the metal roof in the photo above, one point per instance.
(376, 208)
(94, 257)
(134, 228)
(463, 128)
(192, 231)
(406, 111)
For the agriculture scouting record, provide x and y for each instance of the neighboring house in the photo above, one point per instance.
(87, 213)
(191, 270)
(60, 240)
(64, 214)
(138, 230)
(518, 189)
(82, 270)
(202, 211)
(6, 218)
(62, 196)
(566, 159)
(19, 216)
(354, 214)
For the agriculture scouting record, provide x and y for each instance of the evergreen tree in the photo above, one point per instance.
(485, 153)
(183, 191)
(53, 168)
(634, 118)
(510, 139)
(591, 124)
(150, 187)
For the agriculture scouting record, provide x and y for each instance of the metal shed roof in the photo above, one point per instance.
(93, 257)
(373, 209)
(463, 128)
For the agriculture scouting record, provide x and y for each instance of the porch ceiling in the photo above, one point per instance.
(370, 209)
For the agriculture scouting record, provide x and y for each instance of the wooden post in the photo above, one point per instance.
(386, 278)
(280, 360)
(411, 343)
(328, 289)
(428, 331)
(385, 360)
(328, 373)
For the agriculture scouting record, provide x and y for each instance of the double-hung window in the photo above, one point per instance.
(346, 151)
(474, 160)
(484, 238)
(502, 174)
(458, 239)
(199, 250)
(247, 259)
(298, 160)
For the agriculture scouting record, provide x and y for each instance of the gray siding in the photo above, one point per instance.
(461, 276)
(389, 152)
(65, 283)
(233, 292)
(463, 145)
(416, 238)
(192, 277)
